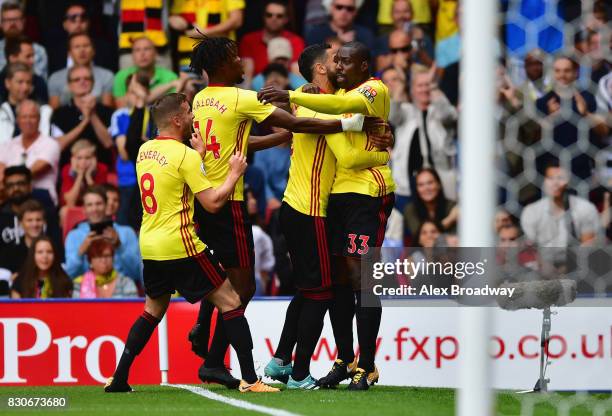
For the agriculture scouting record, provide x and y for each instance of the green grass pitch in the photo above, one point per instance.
(380, 400)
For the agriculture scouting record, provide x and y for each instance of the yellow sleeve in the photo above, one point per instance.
(249, 106)
(330, 104)
(235, 5)
(177, 6)
(192, 171)
(350, 157)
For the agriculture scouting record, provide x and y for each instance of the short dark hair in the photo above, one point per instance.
(141, 77)
(109, 187)
(551, 162)
(96, 190)
(279, 2)
(31, 205)
(15, 67)
(11, 5)
(18, 170)
(361, 50)
(76, 35)
(210, 54)
(278, 68)
(75, 67)
(13, 45)
(167, 106)
(309, 57)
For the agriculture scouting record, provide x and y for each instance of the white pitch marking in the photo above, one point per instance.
(233, 402)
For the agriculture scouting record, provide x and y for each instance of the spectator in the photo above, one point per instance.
(396, 82)
(18, 189)
(502, 219)
(596, 53)
(112, 200)
(76, 21)
(274, 162)
(12, 257)
(421, 45)
(264, 250)
(254, 45)
(127, 259)
(83, 171)
(83, 117)
(277, 75)
(144, 56)
(536, 85)
(279, 54)
(565, 131)
(429, 203)
(21, 49)
(508, 236)
(12, 22)
(81, 53)
(192, 19)
(604, 94)
(142, 19)
(102, 280)
(428, 234)
(39, 152)
(560, 219)
(18, 82)
(448, 41)
(132, 120)
(341, 24)
(42, 276)
(424, 132)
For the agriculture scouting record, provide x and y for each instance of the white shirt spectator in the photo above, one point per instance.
(547, 229)
(604, 94)
(407, 120)
(44, 148)
(264, 256)
(7, 121)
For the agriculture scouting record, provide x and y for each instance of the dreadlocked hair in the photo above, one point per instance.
(209, 54)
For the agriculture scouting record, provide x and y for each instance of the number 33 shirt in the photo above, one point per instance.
(169, 174)
(224, 116)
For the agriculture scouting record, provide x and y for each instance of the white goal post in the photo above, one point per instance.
(478, 138)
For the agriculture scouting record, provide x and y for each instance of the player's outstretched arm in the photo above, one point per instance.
(265, 142)
(213, 199)
(322, 103)
(285, 120)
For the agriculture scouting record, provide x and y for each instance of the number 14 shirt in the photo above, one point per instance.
(169, 174)
(224, 116)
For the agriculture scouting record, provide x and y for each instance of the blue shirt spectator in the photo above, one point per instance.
(127, 260)
(274, 163)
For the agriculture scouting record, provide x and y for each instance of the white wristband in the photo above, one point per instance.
(353, 123)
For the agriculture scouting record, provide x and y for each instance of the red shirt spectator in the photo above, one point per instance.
(83, 171)
(254, 45)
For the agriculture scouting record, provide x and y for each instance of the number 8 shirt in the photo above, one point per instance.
(224, 116)
(169, 174)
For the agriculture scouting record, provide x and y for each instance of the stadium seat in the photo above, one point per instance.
(74, 215)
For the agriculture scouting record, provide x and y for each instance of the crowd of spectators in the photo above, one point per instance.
(76, 79)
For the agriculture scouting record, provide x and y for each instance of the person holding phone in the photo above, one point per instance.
(99, 227)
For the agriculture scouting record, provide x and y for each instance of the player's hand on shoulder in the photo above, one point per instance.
(238, 164)
(311, 88)
(197, 143)
(271, 94)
